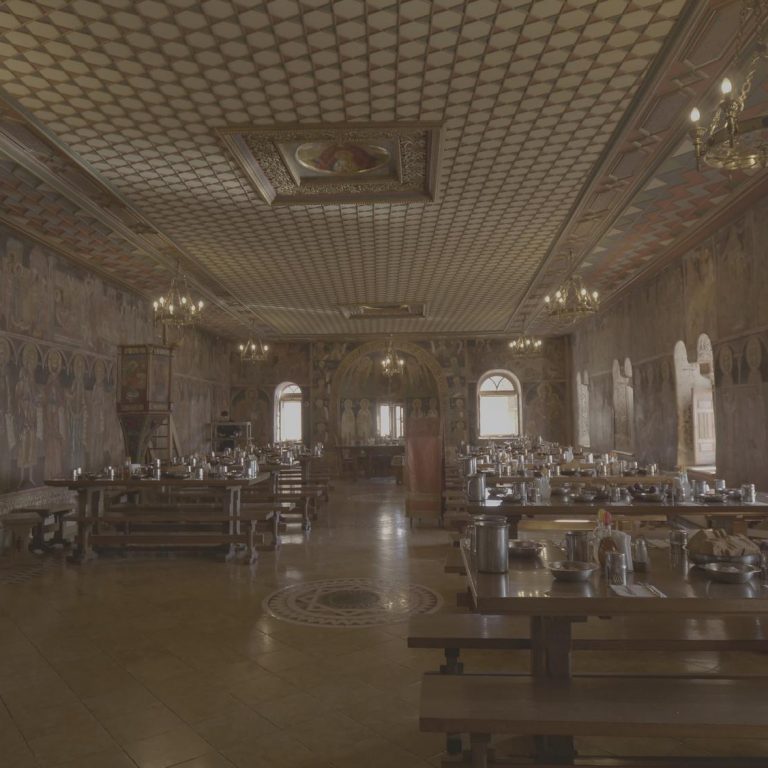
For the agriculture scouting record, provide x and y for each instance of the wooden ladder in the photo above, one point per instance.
(164, 442)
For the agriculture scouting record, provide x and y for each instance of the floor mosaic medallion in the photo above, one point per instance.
(350, 602)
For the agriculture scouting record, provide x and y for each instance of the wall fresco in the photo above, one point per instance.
(717, 289)
(59, 328)
(433, 365)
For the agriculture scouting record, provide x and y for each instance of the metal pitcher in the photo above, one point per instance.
(476, 487)
(470, 466)
(492, 534)
(577, 546)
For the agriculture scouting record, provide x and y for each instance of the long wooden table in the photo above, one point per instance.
(552, 607)
(91, 494)
(555, 508)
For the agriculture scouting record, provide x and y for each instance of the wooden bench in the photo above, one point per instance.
(268, 516)
(454, 632)
(454, 562)
(304, 499)
(170, 525)
(595, 706)
(49, 517)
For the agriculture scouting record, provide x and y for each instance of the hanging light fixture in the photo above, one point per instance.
(525, 345)
(392, 365)
(176, 306)
(572, 300)
(253, 351)
(732, 142)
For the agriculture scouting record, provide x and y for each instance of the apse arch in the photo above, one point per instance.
(376, 347)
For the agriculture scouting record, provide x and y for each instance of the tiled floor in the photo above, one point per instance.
(157, 662)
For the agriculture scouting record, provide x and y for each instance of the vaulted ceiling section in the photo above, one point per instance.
(562, 127)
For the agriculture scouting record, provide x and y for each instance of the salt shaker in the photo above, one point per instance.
(640, 553)
(616, 568)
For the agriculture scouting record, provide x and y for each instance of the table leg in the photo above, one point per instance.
(551, 657)
(231, 500)
(276, 527)
(86, 514)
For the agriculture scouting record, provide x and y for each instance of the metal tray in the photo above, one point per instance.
(729, 573)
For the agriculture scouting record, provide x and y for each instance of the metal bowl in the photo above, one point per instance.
(524, 548)
(584, 498)
(711, 498)
(572, 570)
(699, 558)
(656, 498)
(729, 573)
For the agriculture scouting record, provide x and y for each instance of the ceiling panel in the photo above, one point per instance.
(530, 95)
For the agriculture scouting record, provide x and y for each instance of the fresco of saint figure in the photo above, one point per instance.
(26, 416)
(78, 413)
(364, 422)
(54, 420)
(348, 424)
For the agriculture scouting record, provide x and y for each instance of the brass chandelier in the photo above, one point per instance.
(572, 300)
(177, 307)
(732, 142)
(525, 345)
(392, 365)
(253, 351)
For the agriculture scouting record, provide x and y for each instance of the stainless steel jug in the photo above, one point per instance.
(577, 546)
(476, 487)
(492, 537)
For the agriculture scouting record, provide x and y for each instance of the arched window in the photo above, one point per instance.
(288, 413)
(499, 406)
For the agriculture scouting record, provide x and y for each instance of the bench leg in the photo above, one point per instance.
(306, 525)
(479, 743)
(452, 664)
(252, 551)
(276, 529)
(58, 539)
(19, 535)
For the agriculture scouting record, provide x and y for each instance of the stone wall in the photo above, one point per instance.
(715, 293)
(60, 326)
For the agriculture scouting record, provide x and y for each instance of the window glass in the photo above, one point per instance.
(390, 420)
(498, 406)
(288, 413)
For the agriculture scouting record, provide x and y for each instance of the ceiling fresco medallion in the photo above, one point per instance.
(341, 159)
(346, 163)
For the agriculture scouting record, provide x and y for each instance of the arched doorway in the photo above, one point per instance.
(694, 381)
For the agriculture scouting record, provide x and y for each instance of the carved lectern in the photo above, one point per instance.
(144, 405)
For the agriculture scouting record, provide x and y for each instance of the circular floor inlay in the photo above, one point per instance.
(350, 602)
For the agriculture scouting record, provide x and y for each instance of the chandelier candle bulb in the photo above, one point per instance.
(726, 86)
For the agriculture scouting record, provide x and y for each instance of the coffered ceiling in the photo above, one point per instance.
(562, 123)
